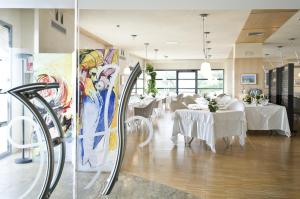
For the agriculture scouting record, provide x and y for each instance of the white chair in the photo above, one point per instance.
(145, 112)
(158, 107)
(188, 100)
(223, 99)
(236, 105)
(176, 105)
(179, 97)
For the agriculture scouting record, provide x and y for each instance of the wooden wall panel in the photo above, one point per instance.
(266, 21)
(245, 66)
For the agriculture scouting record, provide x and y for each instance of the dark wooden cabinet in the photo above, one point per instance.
(281, 90)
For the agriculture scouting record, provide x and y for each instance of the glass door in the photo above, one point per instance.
(5, 44)
(186, 82)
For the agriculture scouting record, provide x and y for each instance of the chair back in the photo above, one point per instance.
(179, 97)
(176, 105)
(145, 111)
(236, 105)
(224, 99)
(188, 100)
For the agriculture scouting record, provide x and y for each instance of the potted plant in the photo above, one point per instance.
(151, 83)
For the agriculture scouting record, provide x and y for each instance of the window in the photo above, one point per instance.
(5, 45)
(186, 81)
(215, 86)
(166, 81)
(180, 81)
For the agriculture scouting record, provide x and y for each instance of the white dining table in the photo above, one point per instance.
(268, 117)
(208, 126)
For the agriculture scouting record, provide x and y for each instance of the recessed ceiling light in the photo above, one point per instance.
(133, 36)
(172, 42)
(118, 26)
(166, 56)
(256, 33)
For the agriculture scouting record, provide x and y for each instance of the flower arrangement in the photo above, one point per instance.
(257, 99)
(247, 99)
(213, 106)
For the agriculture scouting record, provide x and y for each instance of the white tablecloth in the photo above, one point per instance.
(209, 126)
(269, 117)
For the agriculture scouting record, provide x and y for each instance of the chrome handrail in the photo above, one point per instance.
(24, 94)
(121, 128)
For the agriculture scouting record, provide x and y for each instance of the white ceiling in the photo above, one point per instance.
(291, 29)
(153, 4)
(158, 27)
(189, 4)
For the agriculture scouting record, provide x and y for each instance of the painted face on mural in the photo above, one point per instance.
(101, 80)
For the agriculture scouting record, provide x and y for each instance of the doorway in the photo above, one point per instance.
(5, 83)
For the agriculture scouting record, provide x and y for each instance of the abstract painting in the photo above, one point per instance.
(98, 105)
(50, 68)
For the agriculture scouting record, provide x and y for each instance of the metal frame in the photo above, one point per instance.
(56, 141)
(196, 80)
(9, 27)
(122, 128)
(24, 94)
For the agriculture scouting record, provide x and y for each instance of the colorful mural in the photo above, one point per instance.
(49, 68)
(98, 106)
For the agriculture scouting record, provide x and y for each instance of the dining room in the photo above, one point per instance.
(212, 110)
(150, 100)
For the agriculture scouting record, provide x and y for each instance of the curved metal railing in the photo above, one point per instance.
(25, 94)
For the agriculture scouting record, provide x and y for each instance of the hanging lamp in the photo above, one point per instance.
(205, 66)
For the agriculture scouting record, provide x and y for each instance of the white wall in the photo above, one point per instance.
(88, 43)
(50, 39)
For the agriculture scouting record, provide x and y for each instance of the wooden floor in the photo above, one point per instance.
(267, 167)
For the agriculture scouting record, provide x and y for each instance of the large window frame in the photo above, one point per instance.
(197, 78)
(212, 88)
(5, 123)
(177, 79)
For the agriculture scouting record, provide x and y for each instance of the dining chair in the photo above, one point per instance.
(179, 97)
(188, 100)
(158, 107)
(145, 111)
(223, 99)
(235, 105)
(176, 105)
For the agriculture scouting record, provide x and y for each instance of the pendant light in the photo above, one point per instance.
(291, 43)
(281, 55)
(145, 65)
(127, 70)
(205, 66)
